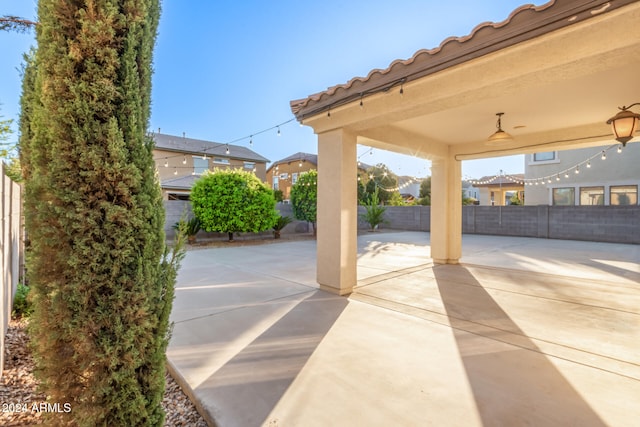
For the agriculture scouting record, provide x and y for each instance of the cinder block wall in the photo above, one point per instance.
(615, 224)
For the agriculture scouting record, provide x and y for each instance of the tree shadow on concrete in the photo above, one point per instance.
(512, 384)
(248, 387)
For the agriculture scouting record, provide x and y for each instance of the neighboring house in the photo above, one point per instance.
(469, 191)
(497, 190)
(284, 173)
(612, 179)
(180, 161)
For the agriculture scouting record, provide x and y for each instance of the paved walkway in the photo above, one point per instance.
(524, 332)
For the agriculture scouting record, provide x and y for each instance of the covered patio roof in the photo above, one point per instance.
(558, 71)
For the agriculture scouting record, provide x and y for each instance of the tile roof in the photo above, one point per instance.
(312, 158)
(524, 23)
(307, 157)
(198, 146)
(179, 183)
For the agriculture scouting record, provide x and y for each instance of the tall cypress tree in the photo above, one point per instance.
(101, 277)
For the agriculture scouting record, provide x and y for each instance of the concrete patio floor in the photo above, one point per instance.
(524, 332)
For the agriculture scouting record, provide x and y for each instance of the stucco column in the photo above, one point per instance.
(337, 212)
(446, 210)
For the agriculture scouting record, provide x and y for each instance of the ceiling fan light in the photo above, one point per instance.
(499, 136)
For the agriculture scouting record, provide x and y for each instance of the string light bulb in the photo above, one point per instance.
(577, 171)
(279, 131)
(566, 175)
(175, 171)
(227, 150)
(166, 163)
(589, 164)
(184, 160)
(604, 155)
(619, 148)
(558, 177)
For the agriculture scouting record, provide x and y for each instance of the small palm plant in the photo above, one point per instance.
(282, 222)
(374, 215)
(189, 228)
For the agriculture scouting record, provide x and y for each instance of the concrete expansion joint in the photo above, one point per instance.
(240, 307)
(391, 275)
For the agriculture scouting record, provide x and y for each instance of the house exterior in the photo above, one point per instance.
(180, 161)
(497, 190)
(605, 175)
(470, 191)
(284, 173)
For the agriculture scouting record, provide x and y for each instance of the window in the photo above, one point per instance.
(591, 196)
(275, 182)
(284, 175)
(178, 196)
(624, 194)
(221, 160)
(294, 177)
(249, 165)
(544, 157)
(200, 165)
(564, 196)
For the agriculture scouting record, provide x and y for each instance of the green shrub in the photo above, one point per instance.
(21, 302)
(304, 198)
(233, 201)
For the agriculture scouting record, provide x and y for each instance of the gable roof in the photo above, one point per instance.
(308, 157)
(182, 144)
(312, 158)
(524, 23)
(299, 156)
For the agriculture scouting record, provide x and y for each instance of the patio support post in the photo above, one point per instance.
(337, 212)
(446, 210)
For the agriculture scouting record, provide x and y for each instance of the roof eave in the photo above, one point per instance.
(525, 23)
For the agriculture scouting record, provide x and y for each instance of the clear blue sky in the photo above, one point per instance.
(226, 69)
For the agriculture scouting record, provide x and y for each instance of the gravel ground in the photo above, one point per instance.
(18, 388)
